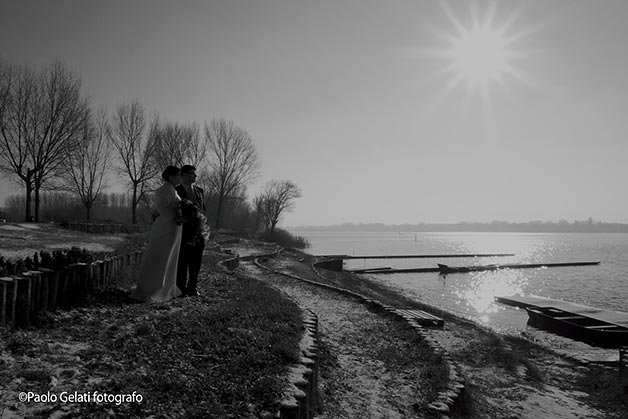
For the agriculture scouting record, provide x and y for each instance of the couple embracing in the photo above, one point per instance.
(172, 258)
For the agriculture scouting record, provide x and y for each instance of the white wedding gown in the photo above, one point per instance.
(157, 276)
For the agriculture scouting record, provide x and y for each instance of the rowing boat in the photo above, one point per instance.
(578, 327)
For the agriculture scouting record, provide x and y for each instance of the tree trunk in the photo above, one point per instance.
(29, 193)
(37, 200)
(88, 211)
(219, 210)
(134, 205)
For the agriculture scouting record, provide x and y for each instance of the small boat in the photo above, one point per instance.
(593, 331)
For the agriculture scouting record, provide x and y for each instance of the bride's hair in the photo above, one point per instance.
(169, 171)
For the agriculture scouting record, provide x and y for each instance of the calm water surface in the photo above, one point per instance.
(472, 294)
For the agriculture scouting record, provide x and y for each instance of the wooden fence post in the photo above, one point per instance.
(82, 279)
(107, 272)
(35, 301)
(23, 301)
(6, 300)
(63, 288)
(46, 283)
(53, 290)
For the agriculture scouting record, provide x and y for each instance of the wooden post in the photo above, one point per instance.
(23, 301)
(46, 282)
(80, 283)
(92, 274)
(53, 290)
(107, 270)
(63, 289)
(4, 300)
(35, 301)
(11, 298)
(101, 274)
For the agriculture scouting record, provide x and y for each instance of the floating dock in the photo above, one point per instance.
(462, 269)
(494, 267)
(471, 255)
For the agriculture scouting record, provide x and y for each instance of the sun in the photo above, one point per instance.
(482, 52)
(480, 55)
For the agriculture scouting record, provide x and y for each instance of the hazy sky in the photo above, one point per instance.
(381, 111)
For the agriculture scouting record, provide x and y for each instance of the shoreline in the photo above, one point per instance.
(356, 344)
(558, 384)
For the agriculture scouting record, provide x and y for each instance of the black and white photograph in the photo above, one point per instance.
(325, 209)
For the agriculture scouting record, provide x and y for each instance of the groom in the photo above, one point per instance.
(191, 254)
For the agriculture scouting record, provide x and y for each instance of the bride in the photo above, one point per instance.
(157, 275)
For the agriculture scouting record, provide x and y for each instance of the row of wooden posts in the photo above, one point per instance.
(23, 297)
(102, 228)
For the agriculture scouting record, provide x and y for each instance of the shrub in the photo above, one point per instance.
(285, 239)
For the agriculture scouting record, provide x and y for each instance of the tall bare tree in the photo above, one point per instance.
(63, 112)
(276, 199)
(178, 144)
(17, 91)
(89, 162)
(135, 149)
(40, 120)
(233, 161)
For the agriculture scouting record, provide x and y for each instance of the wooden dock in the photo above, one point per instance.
(454, 269)
(463, 269)
(613, 317)
(471, 255)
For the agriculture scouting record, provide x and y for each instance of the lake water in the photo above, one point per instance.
(471, 295)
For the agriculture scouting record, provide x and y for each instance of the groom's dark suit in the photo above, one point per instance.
(190, 255)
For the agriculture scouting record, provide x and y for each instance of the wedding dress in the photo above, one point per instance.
(157, 276)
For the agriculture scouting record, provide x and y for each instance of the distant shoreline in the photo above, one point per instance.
(588, 226)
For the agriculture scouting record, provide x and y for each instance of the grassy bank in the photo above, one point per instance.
(221, 355)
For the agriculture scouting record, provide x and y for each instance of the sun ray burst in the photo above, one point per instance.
(481, 52)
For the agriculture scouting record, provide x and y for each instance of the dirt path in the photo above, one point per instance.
(366, 373)
(503, 380)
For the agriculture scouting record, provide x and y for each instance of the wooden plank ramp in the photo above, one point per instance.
(421, 317)
(618, 318)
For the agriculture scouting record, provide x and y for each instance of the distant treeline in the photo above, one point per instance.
(562, 226)
(114, 208)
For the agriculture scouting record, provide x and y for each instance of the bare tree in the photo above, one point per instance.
(88, 163)
(63, 115)
(178, 144)
(278, 197)
(233, 161)
(17, 91)
(135, 149)
(40, 125)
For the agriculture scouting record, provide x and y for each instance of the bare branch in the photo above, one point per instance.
(233, 160)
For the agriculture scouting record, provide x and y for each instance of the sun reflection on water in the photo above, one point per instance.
(478, 289)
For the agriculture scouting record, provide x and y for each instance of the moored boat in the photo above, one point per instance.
(593, 331)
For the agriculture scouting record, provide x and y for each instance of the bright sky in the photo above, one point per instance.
(381, 111)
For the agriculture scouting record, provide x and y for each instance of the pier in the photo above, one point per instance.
(445, 269)
(472, 255)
